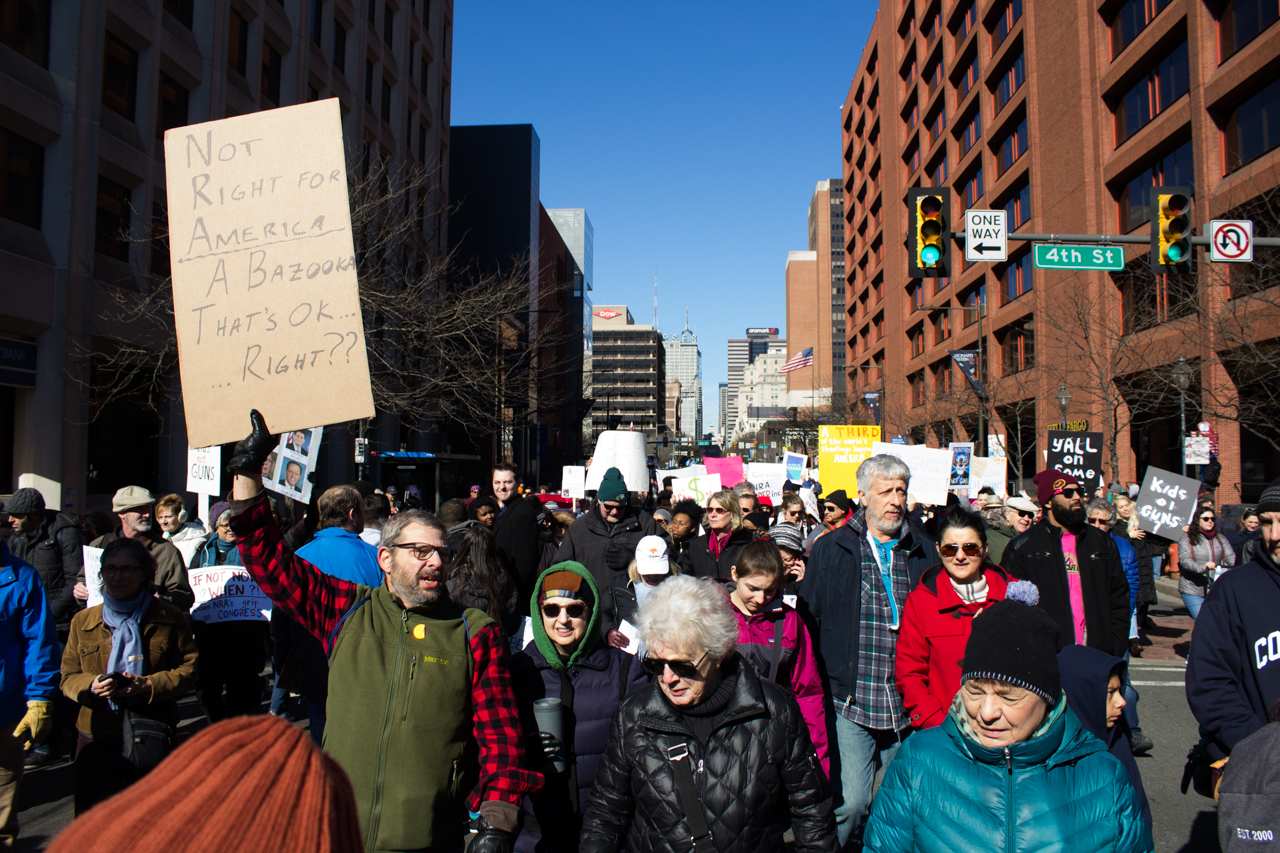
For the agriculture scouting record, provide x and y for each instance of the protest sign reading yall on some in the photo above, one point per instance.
(1078, 454)
(265, 298)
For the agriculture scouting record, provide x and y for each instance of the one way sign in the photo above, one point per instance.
(986, 236)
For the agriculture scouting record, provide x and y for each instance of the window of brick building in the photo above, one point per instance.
(1012, 147)
(973, 298)
(339, 46)
(878, 325)
(940, 284)
(1012, 12)
(941, 326)
(913, 160)
(916, 380)
(937, 123)
(967, 21)
(973, 190)
(1240, 21)
(1017, 349)
(938, 171)
(915, 295)
(21, 179)
(941, 379)
(1155, 92)
(111, 225)
(1253, 128)
(1175, 169)
(877, 286)
(1130, 19)
(173, 104)
(933, 77)
(972, 132)
(969, 78)
(271, 69)
(1018, 207)
(24, 26)
(1011, 81)
(1016, 278)
(119, 77)
(238, 43)
(916, 337)
(317, 22)
(932, 25)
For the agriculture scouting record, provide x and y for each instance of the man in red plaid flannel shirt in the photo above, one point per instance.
(414, 723)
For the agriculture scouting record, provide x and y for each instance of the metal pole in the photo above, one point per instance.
(1182, 437)
(1105, 239)
(982, 408)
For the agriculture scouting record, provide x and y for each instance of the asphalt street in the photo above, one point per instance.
(1183, 823)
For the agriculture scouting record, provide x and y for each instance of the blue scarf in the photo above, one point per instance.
(124, 618)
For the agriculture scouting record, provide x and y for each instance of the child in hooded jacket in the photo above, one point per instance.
(774, 639)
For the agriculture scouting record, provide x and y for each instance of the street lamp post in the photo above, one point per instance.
(1064, 400)
(1182, 375)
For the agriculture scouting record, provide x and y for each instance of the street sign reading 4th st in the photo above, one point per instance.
(1054, 256)
(986, 235)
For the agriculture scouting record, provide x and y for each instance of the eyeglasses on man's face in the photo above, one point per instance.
(421, 550)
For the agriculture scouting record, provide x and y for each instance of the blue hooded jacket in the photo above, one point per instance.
(946, 793)
(30, 662)
(1085, 673)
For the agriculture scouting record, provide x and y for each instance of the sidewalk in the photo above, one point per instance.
(1171, 638)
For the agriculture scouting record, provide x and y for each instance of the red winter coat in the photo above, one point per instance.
(935, 629)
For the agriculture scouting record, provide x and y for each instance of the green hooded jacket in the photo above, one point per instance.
(544, 642)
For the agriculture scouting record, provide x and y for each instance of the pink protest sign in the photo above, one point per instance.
(729, 468)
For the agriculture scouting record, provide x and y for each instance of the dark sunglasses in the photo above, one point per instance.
(421, 551)
(829, 508)
(682, 668)
(1071, 492)
(1022, 513)
(1099, 522)
(576, 610)
(971, 549)
(1208, 518)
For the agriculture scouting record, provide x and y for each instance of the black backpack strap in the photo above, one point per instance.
(775, 668)
(678, 755)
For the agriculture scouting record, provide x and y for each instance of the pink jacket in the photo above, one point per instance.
(793, 665)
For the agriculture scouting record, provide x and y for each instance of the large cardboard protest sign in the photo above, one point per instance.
(696, 489)
(841, 449)
(989, 471)
(930, 469)
(624, 450)
(1078, 454)
(227, 594)
(768, 478)
(728, 467)
(1166, 502)
(265, 298)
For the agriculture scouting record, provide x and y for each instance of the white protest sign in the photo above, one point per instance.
(624, 450)
(995, 445)
(265, 298)
(573, 481)
(810, 503)
(930, 469)
(986, 471)
(286, 469)
(632, 633)
(696, 489)
(92, 574)
(768, 478)
(204, 470)
(227, 594)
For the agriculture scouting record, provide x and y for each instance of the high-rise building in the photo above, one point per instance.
(762, 395)
(575, 229)
(674, 407)
(684, 362)
(82, 122)
(1064, 116)
(742, 351)
(722, 429)
(826, 239)
(628, 376)
(815, 303)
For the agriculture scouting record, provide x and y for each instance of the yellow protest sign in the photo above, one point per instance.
(841, 449)
(265, 299)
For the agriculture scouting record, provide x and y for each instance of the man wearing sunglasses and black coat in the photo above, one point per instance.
(1076, 566)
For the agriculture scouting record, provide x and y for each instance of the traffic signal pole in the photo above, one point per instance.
(1107, 239)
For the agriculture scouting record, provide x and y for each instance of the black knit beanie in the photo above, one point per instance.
(1270, 501)
(1015, 643)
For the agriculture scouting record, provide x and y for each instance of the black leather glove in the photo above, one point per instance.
(250, 452)
(487, 838)
(617, 558)
(552, 748)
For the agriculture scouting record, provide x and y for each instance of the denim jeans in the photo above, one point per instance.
(861, 752)
(1193, 603)
(1130, 698)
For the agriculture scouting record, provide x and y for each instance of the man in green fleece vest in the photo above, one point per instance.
(420, 712)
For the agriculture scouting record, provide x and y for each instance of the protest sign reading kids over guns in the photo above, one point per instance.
(265, 298)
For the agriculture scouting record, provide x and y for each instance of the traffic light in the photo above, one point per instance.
(929, 235)
(1171, 229)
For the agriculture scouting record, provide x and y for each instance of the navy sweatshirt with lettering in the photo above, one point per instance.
(1233, 671)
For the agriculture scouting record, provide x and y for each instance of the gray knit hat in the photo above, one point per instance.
(787, 535)
(26, 501)
(1270, 501)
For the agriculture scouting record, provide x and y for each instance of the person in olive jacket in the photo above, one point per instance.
(708, 714)
(604, 539)
(1076, 566)
(713, 554)
(51, 542)
(147, 644)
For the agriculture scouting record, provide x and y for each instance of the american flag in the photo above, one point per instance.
(799, 360)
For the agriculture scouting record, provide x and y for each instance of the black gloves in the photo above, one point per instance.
(618, 559)
(551, 747)
(253, 450)
(487, 838)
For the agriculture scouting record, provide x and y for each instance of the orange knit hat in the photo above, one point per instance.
(245, 784)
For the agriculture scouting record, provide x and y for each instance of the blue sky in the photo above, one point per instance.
(692, 132)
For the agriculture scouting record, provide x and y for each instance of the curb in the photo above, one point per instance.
(1168, 586)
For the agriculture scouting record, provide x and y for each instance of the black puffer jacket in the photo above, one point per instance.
(698, 561)
(760, 774)
(55, 548)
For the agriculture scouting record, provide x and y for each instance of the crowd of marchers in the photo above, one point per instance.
(523, 672)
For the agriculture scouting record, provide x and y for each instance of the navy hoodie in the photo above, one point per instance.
(1233, 671)
(1085, 673)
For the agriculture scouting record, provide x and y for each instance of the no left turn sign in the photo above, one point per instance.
(1231, 240)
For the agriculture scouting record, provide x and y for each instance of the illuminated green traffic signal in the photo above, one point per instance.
(1171, 229)
(930, 237)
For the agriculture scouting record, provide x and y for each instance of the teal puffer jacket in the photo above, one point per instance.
(1059, 791)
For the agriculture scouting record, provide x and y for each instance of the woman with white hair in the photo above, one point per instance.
(707, 757)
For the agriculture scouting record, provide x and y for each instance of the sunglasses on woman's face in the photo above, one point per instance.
(1207, 519)
(682, 668)
(715, 510)
(971, 549)
(576, 610)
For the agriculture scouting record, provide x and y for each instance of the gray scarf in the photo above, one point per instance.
(124, 618)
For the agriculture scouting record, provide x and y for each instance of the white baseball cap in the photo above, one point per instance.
(651, 556)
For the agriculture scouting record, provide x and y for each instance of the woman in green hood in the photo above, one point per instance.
(567, 661)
